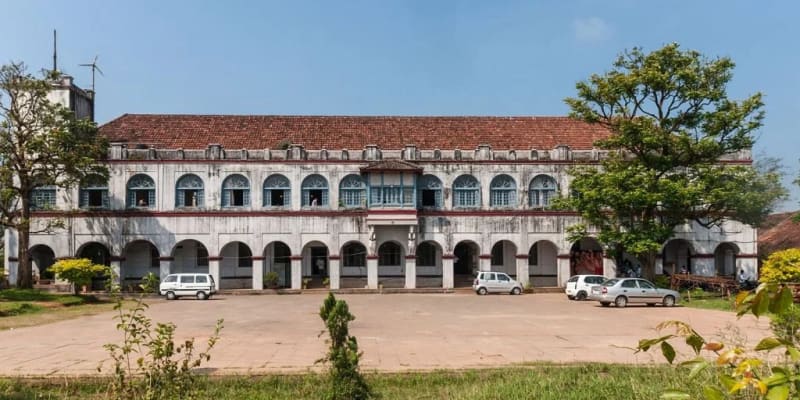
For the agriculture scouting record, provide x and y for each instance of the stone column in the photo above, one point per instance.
(659, 269)
(116, 269)
(258, 272)
(447, 271)
(609, 267)
(522, 269)
(485, 262)
(563, 271)
(372, 272)
(11, 261)
(411, 272)
(334, 272)
(297, 272)
(164, 264)
(213, 269)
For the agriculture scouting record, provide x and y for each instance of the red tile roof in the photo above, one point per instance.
(343, 132)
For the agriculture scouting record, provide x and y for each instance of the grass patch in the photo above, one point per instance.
(698, 298)
(541, 381)
(27, 307)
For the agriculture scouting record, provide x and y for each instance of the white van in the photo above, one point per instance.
(176, 285)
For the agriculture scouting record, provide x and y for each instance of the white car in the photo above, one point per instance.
(495, 282)
(177, 285)
(580, 286)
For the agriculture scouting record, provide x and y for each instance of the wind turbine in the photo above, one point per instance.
(94, 68)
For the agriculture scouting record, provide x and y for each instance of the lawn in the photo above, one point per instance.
(541, 381)
(698, 298)
(26, 307)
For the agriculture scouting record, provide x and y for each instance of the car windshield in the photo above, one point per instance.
(610, 282)
(171, 278)
(573, 279)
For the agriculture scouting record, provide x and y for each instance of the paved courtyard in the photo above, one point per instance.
(397, 332)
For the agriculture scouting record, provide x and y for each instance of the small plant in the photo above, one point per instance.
(271, 280)
(662, 281)
(149, 364)
(150, 283)
(786, 324)
(326, 282)
(306, 282)
(345, 379)
(79, 272)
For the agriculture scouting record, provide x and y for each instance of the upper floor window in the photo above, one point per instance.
(352, 191)
(93, 193)
(542, 190)
(466, 192)
(277, 191)
(393, 189)
(141, 191)
(235, 191)
(315, 191)
(189, 191)
(43, 198)
(503, 191)
(430, 192)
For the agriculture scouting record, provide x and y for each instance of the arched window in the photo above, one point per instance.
(354, 255)
(93, 193)
(141, 192)
(542, 190)
(426, 255)
(315, 191)
(466, 192)
(235, 191)
(189, 191)
(43, 197)
(503, 191)
(277, 191)
(389, 254)
(352, 191)
(430, 192)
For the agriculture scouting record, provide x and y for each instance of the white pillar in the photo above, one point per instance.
(10, 254)
(411, 272)
(522, 269)
(485, 263)
(164, 265)
(297, 272)
(660, 266)
(258, 272)
(563, 271)
(213, 269)
(609, 267)
(372, 272)
(334, 273)
(447, 272)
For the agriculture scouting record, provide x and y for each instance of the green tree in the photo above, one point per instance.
(677, 151)
(346, 381)
(41, 143)
(79, 272)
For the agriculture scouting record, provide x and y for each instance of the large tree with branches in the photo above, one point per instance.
(677, 153)
(42, 143)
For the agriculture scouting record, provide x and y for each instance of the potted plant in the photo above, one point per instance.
(271, 280)
(306, 281)
(326, 282)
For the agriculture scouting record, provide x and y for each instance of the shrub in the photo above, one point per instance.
(79, 272)
(150, 283)
(271, 279)
(786, 324)
(345, 379)
(662, 281)
(149, 365)
(782, 266)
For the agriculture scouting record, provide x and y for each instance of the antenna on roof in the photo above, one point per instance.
(94, 68)
(55, 54)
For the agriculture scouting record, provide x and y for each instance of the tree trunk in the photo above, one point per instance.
(24, 269)
(648, 261)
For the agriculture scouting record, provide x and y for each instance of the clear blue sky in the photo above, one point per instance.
(400, 57)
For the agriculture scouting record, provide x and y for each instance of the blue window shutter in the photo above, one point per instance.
(246, 197)
(106, 203)
(201, 201)
(131, 198)
(180, 199)
(226, 198)
(267, 200)
(151, 198)
(324, 201)
(84, 200)
(287, 198)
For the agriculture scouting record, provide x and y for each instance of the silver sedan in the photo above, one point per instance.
(624, 291)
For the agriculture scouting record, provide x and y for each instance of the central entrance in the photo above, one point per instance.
(315, 264)
(465, 263)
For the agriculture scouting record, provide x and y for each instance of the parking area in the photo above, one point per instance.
(274, 333)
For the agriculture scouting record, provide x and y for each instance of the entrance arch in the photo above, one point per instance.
(504, 257)
(189, 256)
(278, 259)
(677, 255)
(543, 264)
(725, 259)
(98, 253)
(235, 266)
(586, 257)
(429, 264)
(42, 258)
(140, 258)
(465, 263)
(391, 264)
(315, 263)
(353, 265)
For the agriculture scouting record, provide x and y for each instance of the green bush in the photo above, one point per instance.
(79, 272)
(786, 324)
(271, 279)
(781, 267)
(149, 283)
(661, 281)
(345, 379)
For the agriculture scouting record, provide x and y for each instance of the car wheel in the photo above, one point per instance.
(201, 296)
(516, 291)
(171, 296)
(571, 297)
(581, 296)
(669, 301)
(621, 301)
(605, 303)
(482, 291)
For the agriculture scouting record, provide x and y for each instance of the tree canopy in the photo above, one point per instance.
(42, 143)
(679, 151)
